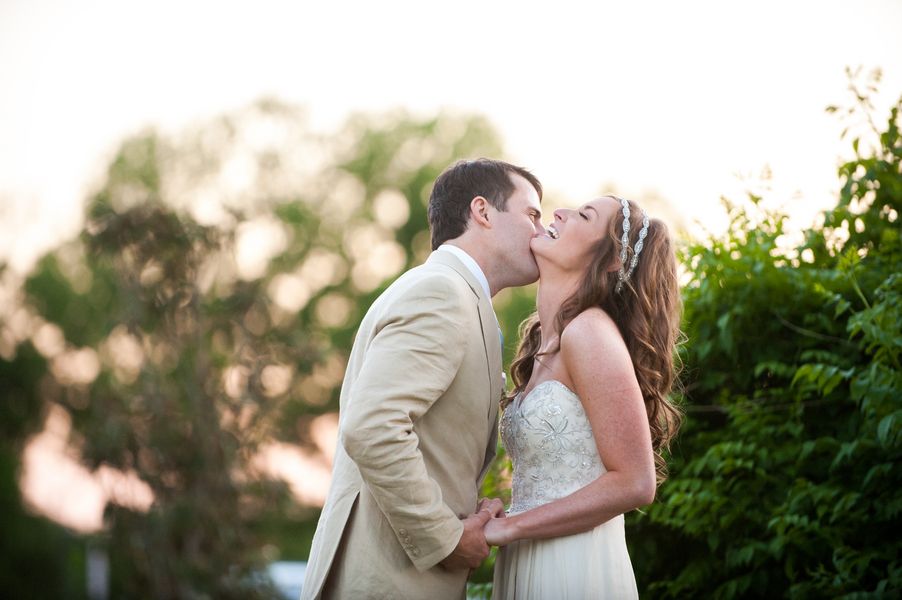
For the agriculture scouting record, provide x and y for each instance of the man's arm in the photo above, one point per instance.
(409, 364)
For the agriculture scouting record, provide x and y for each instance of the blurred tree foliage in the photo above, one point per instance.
(31, 549)
(786, 479)
(208, 309)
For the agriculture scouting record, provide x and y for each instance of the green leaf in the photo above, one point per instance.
(888, 429)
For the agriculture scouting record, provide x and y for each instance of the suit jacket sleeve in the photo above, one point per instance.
(410, 362)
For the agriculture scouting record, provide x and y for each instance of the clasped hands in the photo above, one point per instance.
(482, 529)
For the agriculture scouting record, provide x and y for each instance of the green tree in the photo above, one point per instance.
(785, 479)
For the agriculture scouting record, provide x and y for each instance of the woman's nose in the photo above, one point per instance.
(559, 214)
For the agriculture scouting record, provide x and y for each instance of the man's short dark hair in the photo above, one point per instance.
(455, 188)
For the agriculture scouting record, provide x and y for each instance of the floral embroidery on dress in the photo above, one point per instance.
(549, 440)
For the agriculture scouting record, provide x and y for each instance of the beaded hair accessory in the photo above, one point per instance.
(624, 274)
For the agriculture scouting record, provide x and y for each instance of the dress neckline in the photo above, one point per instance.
(521, 397)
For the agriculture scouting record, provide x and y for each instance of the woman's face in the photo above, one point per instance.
(569, 239)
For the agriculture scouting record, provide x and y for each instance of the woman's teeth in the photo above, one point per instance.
(552, 232)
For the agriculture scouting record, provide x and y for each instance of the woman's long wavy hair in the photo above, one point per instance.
(647, 313)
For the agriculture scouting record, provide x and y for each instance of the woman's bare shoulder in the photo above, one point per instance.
(591, 335)
(590, 326)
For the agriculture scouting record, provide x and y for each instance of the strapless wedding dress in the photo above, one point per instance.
(550, 443)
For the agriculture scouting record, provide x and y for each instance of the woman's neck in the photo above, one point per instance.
(551, 295)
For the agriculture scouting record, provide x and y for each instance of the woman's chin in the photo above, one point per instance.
(540, 245)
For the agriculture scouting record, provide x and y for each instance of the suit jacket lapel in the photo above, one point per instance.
(490, 333)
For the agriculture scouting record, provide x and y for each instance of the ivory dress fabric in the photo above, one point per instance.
(548, 437)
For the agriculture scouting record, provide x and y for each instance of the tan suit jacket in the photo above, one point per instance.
(417, 432)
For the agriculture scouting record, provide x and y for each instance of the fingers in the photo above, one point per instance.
(494, 505)
(472, 548)
(483, 516)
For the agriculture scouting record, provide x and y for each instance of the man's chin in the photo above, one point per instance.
(528, 277)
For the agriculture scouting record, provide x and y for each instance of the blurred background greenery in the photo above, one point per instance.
(186, 352)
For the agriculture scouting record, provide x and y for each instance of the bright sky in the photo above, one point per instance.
(675, 98)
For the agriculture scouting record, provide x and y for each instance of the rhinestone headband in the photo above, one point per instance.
(624, 274)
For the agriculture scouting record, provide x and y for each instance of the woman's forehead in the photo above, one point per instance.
(607, 207)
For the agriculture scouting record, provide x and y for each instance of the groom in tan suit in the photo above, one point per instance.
(419, 401)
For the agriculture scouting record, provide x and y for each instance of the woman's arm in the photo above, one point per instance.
(597, 361)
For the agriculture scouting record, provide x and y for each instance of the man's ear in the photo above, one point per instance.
(479, 211)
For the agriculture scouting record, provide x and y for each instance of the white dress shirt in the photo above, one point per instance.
(471, 264)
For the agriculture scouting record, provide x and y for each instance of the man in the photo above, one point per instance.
(419, 401)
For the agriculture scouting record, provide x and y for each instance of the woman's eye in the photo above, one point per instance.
(583, 215)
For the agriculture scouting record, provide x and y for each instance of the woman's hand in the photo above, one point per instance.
(499, 532)
(493, 506)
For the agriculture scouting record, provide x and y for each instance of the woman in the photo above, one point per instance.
(590, 415)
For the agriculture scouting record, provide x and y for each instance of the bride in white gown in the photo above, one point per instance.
(590, 414)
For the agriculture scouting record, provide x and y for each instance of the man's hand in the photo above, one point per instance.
(471, 550)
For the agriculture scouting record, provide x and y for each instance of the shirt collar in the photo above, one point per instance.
(471, 264)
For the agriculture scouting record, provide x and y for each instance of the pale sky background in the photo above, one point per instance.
(676, 98)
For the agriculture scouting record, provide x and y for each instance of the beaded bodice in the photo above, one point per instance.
(550, 443)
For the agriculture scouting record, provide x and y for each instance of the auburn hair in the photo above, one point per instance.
(647, 313)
